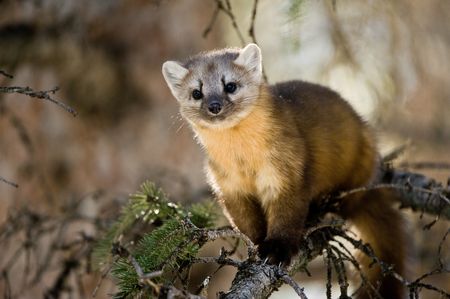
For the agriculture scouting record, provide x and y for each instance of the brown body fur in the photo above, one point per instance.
(300, 142)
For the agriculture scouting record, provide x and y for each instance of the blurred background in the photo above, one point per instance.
(389, 59)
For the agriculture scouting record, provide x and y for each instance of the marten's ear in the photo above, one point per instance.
(174, 74)
(250, 58)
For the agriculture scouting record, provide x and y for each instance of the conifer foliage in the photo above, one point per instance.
(163, 254)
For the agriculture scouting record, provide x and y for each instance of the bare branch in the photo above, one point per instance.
(229, 12)
(171, 292)
(9, 182)
(425, 165)
(45, 95)
(100, 280)
(396, 152)
(7, 291)
(258, 280)
(58, 286)
(287, 279)
(211, 22)
(251, 31)
(417, 191)
(227, 9)
(6, 74)
(218, 260)
(420, 192)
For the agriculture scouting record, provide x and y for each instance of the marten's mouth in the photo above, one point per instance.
(217, 117)
(224, 112)
(229, 115)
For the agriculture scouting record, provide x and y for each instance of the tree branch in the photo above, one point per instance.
(251, 31)
(419, 192)
(259, 280)
(9, 182)
(6, 74)
(45, 95)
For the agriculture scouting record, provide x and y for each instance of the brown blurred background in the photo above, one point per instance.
(391, 60)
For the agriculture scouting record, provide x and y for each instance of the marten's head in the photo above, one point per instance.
(216, 89)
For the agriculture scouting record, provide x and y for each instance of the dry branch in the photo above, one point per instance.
(44, 95)
(228, 11)
(9, 182)
(419, 192)
(6, 74)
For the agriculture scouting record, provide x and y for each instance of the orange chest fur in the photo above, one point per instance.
(240, 159)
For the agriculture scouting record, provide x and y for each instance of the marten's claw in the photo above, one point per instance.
(277, 251)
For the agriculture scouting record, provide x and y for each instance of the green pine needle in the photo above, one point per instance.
(168, 247)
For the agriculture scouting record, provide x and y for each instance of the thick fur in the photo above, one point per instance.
(274, 150)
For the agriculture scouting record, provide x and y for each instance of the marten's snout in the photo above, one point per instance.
(214, 107)
(214, 104)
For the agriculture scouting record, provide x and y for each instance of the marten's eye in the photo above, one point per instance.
(230, 87)
(197, 94)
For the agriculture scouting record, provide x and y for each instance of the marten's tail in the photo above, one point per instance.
(383, 227)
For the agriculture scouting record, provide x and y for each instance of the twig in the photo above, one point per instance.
(100, 280)
(437, 201)
(6, 74)
(351, 258)
(219, 260)
(426, 165)
(427, 286)
(204, 284)
(339, 267)
(9, 182)
(287, 279)
(228, 11)
(45, 95)
(143, 276)
(7, 291)
(171, 292)
(441, 244)
(121, 251)
(58, 286)
(396, 152)
(23, 135)
(42, 233)
(251, 30)
(417, 283)
(327, 261)
(214, 234)
(211, 22)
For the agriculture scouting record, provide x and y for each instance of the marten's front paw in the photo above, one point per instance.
(278, 251)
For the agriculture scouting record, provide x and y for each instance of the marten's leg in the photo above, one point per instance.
(286, 217)
(245, 213)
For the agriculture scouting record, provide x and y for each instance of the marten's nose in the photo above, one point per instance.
(214, 107)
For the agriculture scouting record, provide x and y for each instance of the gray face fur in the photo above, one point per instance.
(209, 73)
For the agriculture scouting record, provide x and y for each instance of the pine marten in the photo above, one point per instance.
(273, 150)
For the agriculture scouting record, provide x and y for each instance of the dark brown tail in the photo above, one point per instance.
(382, 226)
